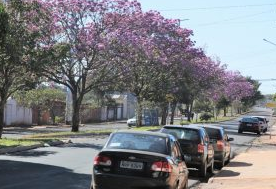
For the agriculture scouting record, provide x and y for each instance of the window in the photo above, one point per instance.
(136, 141)
(185, 134)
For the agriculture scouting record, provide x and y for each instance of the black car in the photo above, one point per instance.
(136, 160)
(221, 144)
(195, 144)
(250, 124)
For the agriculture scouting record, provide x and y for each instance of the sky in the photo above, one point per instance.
(232, 30)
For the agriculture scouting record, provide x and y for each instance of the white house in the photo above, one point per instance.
(16, 115)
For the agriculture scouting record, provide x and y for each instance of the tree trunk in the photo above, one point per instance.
(164, 112)
(38, 116)
(139, 112)
(224, 110)
(1, 120)
(76, 112)
(188, 113)
(53, 116)
(173, 106)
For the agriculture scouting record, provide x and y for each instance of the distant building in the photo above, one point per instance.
(15, 114)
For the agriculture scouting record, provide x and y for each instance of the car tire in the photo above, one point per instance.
(211, 168)
(203, 170)
(186, 185)
(240, 131)
(228, 159)
(258, 133)
(265, 130)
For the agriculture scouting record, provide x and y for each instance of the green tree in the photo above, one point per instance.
(15, 43)
(43, 99)
(257, 95)
(223, 103)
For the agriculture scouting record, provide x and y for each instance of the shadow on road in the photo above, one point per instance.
(239, 164)
(227, 173)
(85, 145)
(17, 174)
(32, 153)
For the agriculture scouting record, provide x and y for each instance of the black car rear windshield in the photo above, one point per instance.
(261, 119)
(137, 141)
(250, 120)
(213, 133)
(182, 133)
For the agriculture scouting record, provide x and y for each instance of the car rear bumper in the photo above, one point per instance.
(218, 156)
(251, 129)
(194, 161)
(112, 181)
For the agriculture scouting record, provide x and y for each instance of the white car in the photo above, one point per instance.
(263, 122)
(132, 121)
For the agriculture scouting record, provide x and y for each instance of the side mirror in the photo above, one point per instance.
(230, 139)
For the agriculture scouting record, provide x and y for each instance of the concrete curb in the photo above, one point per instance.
(25, 148)
(194, 185)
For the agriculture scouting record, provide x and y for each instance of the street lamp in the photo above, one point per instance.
(269, 42)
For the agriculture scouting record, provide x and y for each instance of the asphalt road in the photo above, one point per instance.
(70, 166)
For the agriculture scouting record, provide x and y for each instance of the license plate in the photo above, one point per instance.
(248, 124)
(131, 165)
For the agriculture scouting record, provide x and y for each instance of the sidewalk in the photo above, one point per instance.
(254, 169)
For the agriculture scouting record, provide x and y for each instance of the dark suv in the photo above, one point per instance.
(195, 144)
(221, 145)
(250, 124)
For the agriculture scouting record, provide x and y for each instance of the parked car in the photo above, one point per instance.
(132, 121)
(263, 122)
(195, 144)
(132, 159)
(221, 144)
(250, 124)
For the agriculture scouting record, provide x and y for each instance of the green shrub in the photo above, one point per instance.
(59, 119)
(206, 116)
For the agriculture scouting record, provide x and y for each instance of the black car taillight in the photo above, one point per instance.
(162, 166)
(200, 148)
(102, 160)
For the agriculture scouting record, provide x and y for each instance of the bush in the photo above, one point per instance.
(206, 116)
(59, 119)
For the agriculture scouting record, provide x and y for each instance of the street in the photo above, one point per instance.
(70, 166)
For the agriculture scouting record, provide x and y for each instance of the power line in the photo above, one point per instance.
(272, 79)
(220, 7)
(235, 18)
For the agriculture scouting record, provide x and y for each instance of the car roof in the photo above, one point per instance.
(143, 132)
(259, 117)
(213, 126)
(197, 127)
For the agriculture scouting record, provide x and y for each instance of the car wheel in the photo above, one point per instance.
(203, 170)
(265, 130)
(211, 168)
(228, 159)
(186, 185)
(240, 131)
(258, 133)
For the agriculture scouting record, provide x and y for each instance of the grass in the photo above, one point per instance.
(146, 128)
(212, 120)
(4, 142)
(57, 135)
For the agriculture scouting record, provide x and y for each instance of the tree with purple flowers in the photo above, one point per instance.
(76, 44)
